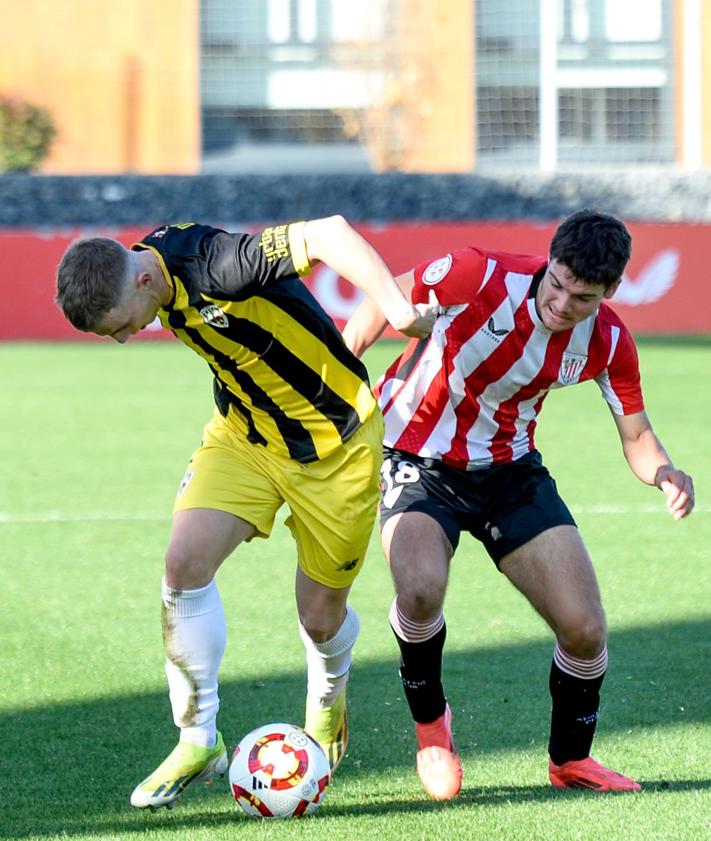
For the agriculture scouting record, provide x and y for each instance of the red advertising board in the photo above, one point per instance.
(666, 289)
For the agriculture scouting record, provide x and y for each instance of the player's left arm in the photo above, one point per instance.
(651, 464)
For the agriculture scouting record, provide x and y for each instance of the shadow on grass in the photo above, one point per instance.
(135, 824)
(69, 768)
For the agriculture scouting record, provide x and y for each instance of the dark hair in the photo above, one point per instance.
(594, 246)
(90, 280)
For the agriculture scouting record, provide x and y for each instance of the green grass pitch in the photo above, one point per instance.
(95, 440)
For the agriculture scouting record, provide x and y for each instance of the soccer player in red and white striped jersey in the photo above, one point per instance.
(460, 409)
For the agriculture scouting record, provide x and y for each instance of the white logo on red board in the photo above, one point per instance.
(652, 283)
(436, 271)
(338, 297)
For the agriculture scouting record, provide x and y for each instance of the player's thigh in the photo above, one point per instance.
(227, 473)
(554, 571)
(200, 540)
(420, 516)
(419, 554)
(333, 504)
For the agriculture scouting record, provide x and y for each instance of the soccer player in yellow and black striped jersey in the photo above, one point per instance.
(295, 421)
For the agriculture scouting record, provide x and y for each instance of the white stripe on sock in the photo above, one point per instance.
(585, 669)
(410, 630)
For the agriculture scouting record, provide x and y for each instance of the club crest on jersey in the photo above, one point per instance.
(571, 367)
(436, 271)
(214, 316)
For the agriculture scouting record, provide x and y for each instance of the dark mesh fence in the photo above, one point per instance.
(56, 201)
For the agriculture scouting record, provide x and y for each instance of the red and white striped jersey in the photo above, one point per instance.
(471, 393)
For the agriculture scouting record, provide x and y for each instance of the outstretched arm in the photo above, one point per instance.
(651, 464)
(333, 241)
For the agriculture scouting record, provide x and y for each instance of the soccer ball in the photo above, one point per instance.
(279, 771)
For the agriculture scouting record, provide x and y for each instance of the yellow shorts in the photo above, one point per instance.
(332, 501)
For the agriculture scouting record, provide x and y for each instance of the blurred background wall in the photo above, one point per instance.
(121, 79)
(431, 124)
(189, 86)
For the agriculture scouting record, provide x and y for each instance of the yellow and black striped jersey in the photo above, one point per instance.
(278, 359)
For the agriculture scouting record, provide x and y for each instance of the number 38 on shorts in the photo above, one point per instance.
(396, 475)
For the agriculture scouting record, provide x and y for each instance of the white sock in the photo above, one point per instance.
(329, 662)
(194, 634)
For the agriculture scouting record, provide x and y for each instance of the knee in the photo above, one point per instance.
(586, 637)
(322, 618)
(316, 627)
(184, 569)
(421, 600)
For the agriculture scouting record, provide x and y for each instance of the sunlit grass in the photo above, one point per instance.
(95, 442)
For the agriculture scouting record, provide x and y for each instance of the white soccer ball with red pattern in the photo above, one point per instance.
(279, 771)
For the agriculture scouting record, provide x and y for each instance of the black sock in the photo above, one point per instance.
(576, 703)
(421, 675)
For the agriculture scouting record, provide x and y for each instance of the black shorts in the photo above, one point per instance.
(503, 506)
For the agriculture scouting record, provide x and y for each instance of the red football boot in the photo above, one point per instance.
(587, 773)
(438, 764)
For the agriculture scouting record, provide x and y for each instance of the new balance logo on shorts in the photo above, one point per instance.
(348, 565)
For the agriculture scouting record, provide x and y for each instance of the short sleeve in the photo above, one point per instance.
(297, 247)
(620, 382)
(455, 278)
(217, 262)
